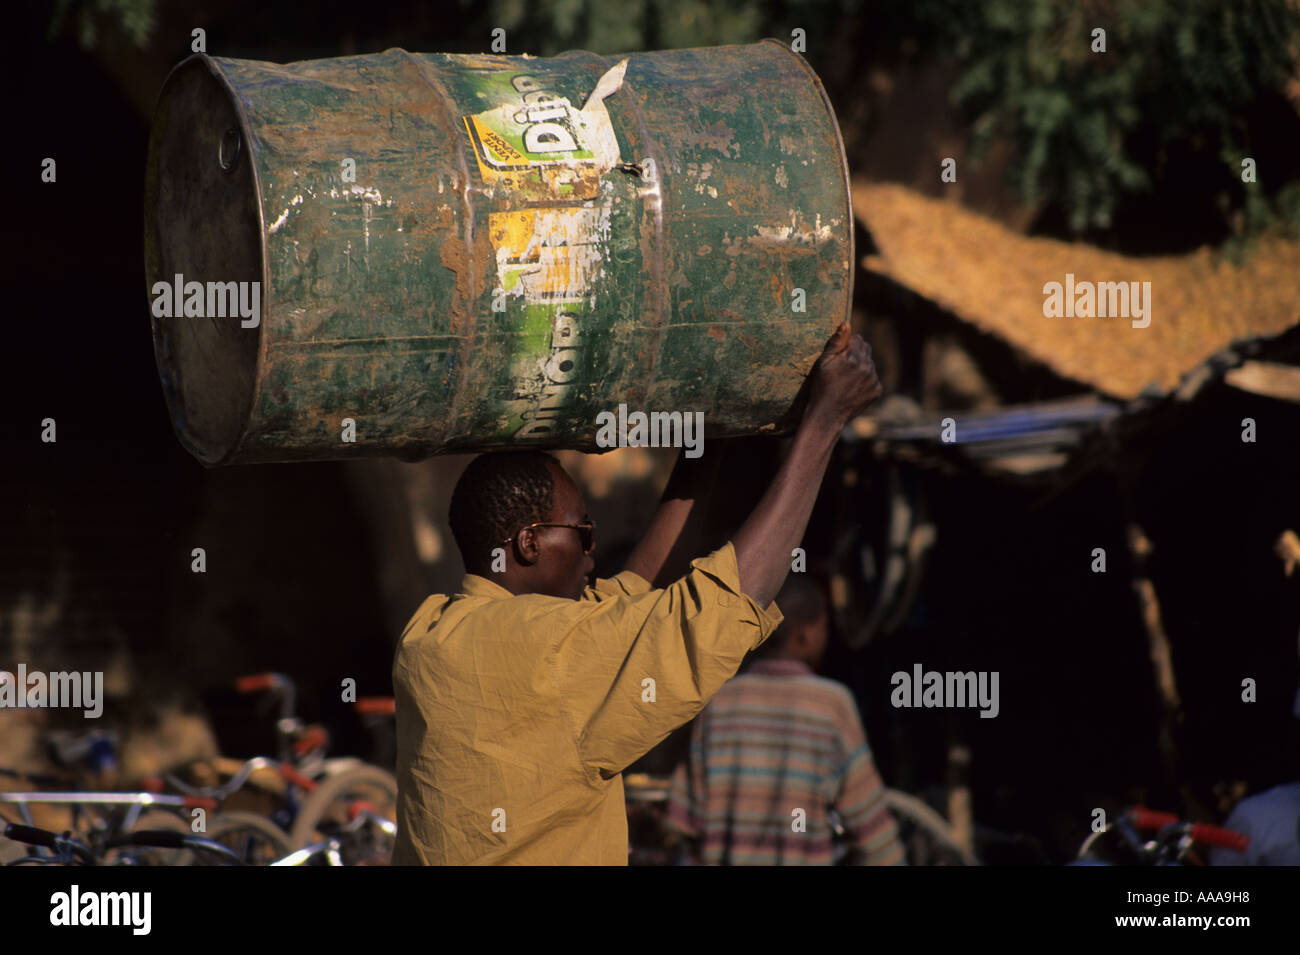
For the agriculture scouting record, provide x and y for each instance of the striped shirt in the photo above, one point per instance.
(774, 751)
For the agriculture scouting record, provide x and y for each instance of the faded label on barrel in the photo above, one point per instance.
(535, 146)
(534, 126)
(546, 262)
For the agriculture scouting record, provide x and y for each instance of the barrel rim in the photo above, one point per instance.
(214, 65)
(224, 455)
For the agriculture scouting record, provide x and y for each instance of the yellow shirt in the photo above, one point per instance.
(517, 714)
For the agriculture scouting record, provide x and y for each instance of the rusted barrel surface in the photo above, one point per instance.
(463, 253)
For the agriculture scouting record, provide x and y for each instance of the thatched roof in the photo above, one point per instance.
(993, 278)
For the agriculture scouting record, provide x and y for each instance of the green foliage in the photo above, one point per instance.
(1090, 128)
(91, 19)
(607, 27)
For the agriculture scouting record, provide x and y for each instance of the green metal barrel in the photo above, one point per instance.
(410, 254)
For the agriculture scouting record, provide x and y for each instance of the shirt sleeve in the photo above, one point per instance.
(631, 668)
(860, 794)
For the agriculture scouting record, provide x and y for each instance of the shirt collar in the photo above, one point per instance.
(780, 668)
(476, 586)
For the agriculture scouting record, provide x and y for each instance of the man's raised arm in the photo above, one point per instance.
(688, 637)
(844, 383)
(671, 542)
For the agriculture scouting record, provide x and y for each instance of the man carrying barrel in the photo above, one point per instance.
(523, 697)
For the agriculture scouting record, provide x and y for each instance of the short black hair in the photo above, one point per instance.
(801, 600)
(497, 495)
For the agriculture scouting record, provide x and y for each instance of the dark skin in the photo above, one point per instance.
(549, 560)
(805, 642)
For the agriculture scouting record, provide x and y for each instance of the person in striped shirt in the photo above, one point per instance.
(775, 751)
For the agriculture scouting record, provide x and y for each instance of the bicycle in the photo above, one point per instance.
(298, 745)
(926, 837)
(331, 809)
(1120, 843)
(925, 834)
(106, 815)
(67, 851)
(311, 797)
(338, 849)
(313, 794)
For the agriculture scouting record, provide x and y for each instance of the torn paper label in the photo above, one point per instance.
(537, 127)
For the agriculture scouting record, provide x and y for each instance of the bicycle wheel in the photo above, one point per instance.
(925, 834)
(257, 841)
(325, 814)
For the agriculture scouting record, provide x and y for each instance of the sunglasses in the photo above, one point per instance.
(586, 531)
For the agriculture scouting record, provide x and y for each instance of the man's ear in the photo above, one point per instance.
(527, 547)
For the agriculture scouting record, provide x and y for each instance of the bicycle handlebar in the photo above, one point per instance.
(1144, 818)
(284, 687)
(361, 812)
(206, 797)
(31, 836)
(166, 839)
(1224, 838)
(145, 838)
(313, 737)
(257, 682)
(290, 774)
